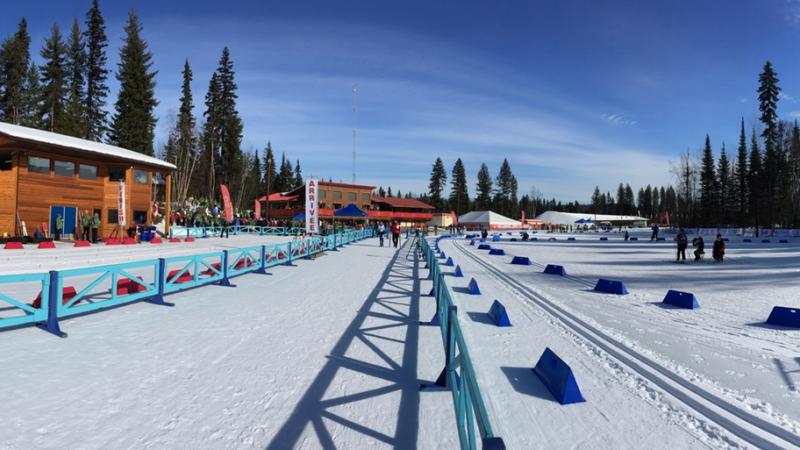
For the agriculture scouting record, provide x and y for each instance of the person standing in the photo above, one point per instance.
(682, 242)
(59, 226)
(86, 224)
(224, 229)
(395, 233)
(654, 236)
(700, 248)
(718, 251)
(381, 232)
(95, 227)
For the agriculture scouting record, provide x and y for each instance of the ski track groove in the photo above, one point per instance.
(748, 427)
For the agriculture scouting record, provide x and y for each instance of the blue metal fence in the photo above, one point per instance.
(216, 230)
(72, 292)
(458, 373)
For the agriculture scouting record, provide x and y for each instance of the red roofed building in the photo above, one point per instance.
(409, 211)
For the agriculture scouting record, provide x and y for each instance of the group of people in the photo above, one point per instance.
(394, 228)
(682, 241)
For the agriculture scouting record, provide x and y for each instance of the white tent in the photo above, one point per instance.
(565, 218)
(489, 220)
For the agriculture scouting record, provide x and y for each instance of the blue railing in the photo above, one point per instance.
(216, 230)
(72, 292)
(458, 373)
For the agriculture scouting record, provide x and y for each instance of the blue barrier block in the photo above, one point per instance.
(513, 239)
(725, 239)
(534, 238)
(681, 299)
(497, 251)
(442, 256)
(521, 260)
(484, 247)
(664, 239)
(610, 287)
(633, 238)
(472, 242)
(558, 377)
(553, 269)
(435, 319)
(747, 240)
(783, 241)
(473, 287)
(603, 238)
(483, 240)
(553, 239)
(495, 238)
(785, 317)
(765, 241)
(570, 238)
(499, 315)
(449, 262)
(458, 273)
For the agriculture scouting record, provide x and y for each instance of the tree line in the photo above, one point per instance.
(67, 93)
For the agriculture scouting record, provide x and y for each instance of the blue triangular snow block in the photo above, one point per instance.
(484, 247)
(499, 315)
(473, 287)
(534, 238)
(495, 238)
(765, 241)
(681, 299)
(603, 238)
(472, 242)
(785, 317)
(483, 240)
(521, 260)
(442, 256)
(513, 239)
(558, 377)
(553, 269)
(570, 238)
(610, 287)
(783, 241)
(664, 239)
(747, 240)
(449, 262)
(633, 238)
(497, 251)
(458, 273)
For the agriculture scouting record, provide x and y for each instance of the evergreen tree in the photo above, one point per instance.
(185, 141)
(15, 63)
(630, 202)
(724, 199)
(597, 201)
(134, 122)
(621, 200)
(794, 168)
(270, 174)
(437, 183)
(389, 192)
(708, 183)
(210, 159)
(285, 175)
(459, 195)
(483, 199)
(230, 125)
(31, 100)
(298, 175)
(381, 192)
(768, 93)
(74, 121)
(54, 80)
(505, 189)
(96, 73)
(740, 179)
(755, 182)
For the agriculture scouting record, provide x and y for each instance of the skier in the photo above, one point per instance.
(626, 235)
(718, 251)
(699, 246)
(95, 226)
(654, 236)
(59, 226)
(86, 224)
(381, 232)
(682, 242)
(396, 233)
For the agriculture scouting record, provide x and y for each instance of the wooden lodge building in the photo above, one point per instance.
(43, 174)
(335, 196)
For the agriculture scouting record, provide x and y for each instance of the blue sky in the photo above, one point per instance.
(574, 93)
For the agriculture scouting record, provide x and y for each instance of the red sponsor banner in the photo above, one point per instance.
(257, 209)
(226, 203)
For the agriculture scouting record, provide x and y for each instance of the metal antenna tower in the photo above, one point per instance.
(355, 91)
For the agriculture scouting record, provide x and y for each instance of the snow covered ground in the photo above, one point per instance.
(727, 377)
(325, 354)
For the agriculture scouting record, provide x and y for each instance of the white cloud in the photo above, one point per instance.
(619, 119)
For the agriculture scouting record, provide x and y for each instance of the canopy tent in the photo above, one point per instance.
(582, 221)
(299, 217)
(489, 220)
(565, 218)
(351, 210)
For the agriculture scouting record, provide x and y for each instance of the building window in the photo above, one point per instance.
(116, 174)
(64, 168)
(337, 195)
(38, 165)
(6, 161)
(140, 176)
(113, 216)
(351, 197)
(365, 198)
(87, 172)
(321, 194)
(337, 206)
(140, 217)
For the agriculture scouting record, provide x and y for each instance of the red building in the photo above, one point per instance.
(335, 196)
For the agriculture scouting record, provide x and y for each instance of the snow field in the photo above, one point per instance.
(325, 354)
(637, 315)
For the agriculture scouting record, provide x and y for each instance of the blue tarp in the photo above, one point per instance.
(299, 217)
(350, 210)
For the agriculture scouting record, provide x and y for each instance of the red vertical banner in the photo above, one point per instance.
(257, 209)
(226, 203)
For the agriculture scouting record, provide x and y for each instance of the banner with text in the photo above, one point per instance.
(226, 203)
(121, 219)
(312, 212)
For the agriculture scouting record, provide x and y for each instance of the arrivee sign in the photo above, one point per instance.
(312, 210)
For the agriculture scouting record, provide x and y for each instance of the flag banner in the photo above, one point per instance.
(226, 203)
(312, 212)
(122, 220)
(257, 209)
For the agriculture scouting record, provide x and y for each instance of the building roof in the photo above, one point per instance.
(277, 197)
(45, 137)
(396, 202)
(565, 218)
(486, 218)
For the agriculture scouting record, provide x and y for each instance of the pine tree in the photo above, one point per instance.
(96, 73)
(483, 199)
(723, 188)
(389, 192)
(621, 200)
(505, 189)
(230, 124)
(270, 174)
(794, 168)
(708, 183)
(298, 175)
(209, 161)
(630, 202)
(768, 93)
(381, 192)
(134, 122)
(285, 175)
(54, 80)
(74, 121)
(437, 183)
(755, 182)
(459, 195)
(31, 99)
(185, 140)
(740, 176)
(15, 63)
(597, 200)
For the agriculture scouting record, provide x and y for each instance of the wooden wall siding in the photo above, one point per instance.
(8, 199)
